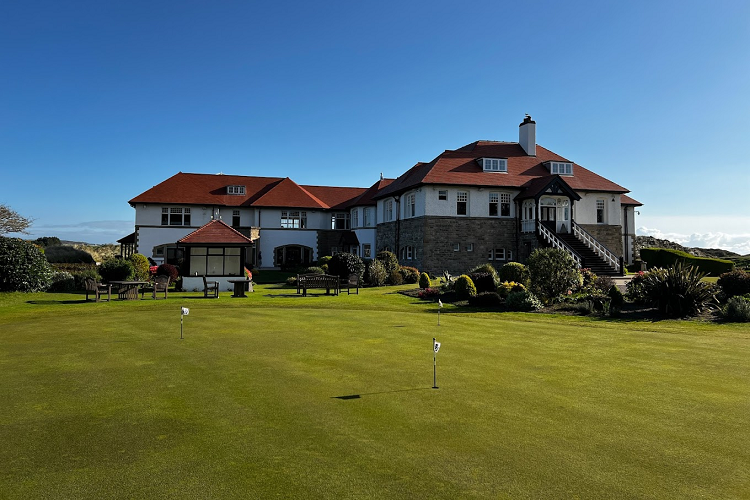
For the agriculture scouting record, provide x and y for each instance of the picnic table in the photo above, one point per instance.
(128, 290)
(240, 286)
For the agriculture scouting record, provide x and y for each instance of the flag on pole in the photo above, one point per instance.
(185, 311)
(440, 303)
(437, 346)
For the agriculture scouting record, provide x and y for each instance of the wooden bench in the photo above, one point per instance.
(97, 289)
(349, 283)
(305, 281)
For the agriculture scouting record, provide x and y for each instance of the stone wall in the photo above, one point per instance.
(609, 236)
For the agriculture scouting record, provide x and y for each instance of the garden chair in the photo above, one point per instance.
(97, 289)
(210, 287)
(351, 282)
(161, 284)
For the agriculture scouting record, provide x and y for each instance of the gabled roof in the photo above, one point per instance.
(336, 197)
(368, 197)
(215, 232)
(460, 167)
(288, 193)
(627, 200)
(553, 184)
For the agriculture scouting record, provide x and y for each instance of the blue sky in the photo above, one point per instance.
(101, 100)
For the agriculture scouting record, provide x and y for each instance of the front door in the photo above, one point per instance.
(563, 215)
(548, 216)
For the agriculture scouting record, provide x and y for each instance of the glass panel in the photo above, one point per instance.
(198, 251)
(215, 251)
(232, 251)
(216, 265)
(232, 265)
(198, 265)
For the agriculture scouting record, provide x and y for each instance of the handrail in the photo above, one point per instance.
(594, 245)
(556, 242)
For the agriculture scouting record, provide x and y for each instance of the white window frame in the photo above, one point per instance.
(366, 251)
(293, 219)
(410, 206)
(355, 218)
(561, 168)
(462, 197)
(175, 216)
(500, 254)
(367, 217)
(442, 195)
(495, 165)
(388, 210)
(407, 252)
(470, 247)
(457, 247)
(340, 216)
(236, 190)
(601, 207)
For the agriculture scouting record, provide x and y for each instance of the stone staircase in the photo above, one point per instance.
(591, 260)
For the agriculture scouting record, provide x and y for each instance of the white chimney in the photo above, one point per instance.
(527, 135)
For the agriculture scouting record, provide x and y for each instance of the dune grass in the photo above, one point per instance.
(279, 396)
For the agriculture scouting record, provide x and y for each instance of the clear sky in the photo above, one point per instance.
(99, 101)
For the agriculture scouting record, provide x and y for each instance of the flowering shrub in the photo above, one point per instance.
(507, 287)
(429, 294)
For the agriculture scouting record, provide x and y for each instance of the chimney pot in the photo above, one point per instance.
(527, 135)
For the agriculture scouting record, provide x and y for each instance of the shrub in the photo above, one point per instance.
(589, 278)
(312, 270)
(67, 255)
(552, 272)
(523, 301)
(465, 287)
(507, 287)
(116, 270)
(80, 277)
(678, 291)
(168, 270)
(48, 241)
(62, 281)
(486, 268)
(324, 260)
(486, 299)
(484, 282)
(389, 260)
(734, 283)
(616, 299)
(291, 281)
(737, 310)
(667, 258)
(514, 271)
(603, 283)
(23, 267)
(424, 280)
(429, 294)
(395, 278)
(141, 267)
(376, 275)
(409, 274)
(344, 264)
(635, 290)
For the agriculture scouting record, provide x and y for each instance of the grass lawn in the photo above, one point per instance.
(279, 396)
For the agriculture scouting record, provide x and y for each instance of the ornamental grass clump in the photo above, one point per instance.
(678, 291)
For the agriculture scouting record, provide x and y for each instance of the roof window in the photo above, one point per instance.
(236, 190)
(494, 164)
(560, 168)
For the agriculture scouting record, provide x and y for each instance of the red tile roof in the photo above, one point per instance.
(216, 232)
(627, 200)
(460, 167)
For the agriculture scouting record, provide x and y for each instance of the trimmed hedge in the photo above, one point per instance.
(666, 258)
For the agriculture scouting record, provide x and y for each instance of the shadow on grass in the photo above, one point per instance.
(60, 302)
(359, 396)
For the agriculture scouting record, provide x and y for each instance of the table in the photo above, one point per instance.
(128, 290)
(239, 287)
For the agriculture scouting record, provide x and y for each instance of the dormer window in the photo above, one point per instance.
(236, 190)
(494, 164)
(560, 168)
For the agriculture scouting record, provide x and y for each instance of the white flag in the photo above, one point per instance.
(185, 311)
(440, 303)
(437, 346)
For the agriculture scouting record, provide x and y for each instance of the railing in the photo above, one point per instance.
(556, 242)
(596, 247)
(528, 226)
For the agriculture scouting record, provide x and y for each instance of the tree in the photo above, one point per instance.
(23, 267)
(12, 222)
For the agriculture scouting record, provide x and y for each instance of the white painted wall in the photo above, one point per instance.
(366, 236)
(585, 208)
(478, 204)
(149, 237)
(272, 238)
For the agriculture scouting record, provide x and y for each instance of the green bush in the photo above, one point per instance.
(486, 299)
(635, 290)
(523, 301)
(666, 258)
(344, 264)
(678, 291)
(116, 270)
(514, 271)
(23, 267)
(737, 310)
(62, 281)
(464, 287)
(67, 255)
(72, 268)
(324, 260)
(507, 287)
(312, 270)
(48, 241)
(734, 283)
(389, 260)
(424, 280)
(395, 278)
(552, 272)
(376, 275)
(486, 268)
(484, 282)
(80, 277)
(409, 274)
(589, 278)
(616, 298)
(141, 267)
